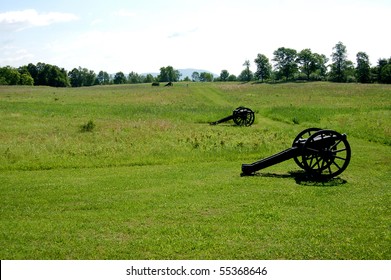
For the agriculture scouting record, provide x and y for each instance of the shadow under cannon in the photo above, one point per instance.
(303, 178)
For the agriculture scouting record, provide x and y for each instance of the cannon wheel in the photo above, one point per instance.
(305, 134)
(243, 116)
(327, 158)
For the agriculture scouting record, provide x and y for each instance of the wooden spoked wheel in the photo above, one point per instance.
(326, 153)
(243, 116)
(302, 136)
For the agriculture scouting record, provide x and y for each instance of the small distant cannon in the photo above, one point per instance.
(241, 116)
(322, 153)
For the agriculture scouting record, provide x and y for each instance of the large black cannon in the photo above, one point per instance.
(241, 116)
(321, 153)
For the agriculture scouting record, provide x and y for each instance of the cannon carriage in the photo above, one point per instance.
(321, 153)
(241, 116)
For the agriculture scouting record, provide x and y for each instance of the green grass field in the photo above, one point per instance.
(137, 172)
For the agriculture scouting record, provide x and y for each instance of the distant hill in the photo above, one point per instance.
(185, 72)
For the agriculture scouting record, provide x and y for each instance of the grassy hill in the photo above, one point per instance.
(137, 172)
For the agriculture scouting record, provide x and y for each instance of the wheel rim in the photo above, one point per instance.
(326, 153)
(305, 134)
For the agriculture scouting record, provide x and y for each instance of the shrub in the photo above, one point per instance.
(88, 127)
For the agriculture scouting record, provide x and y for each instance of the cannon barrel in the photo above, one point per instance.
(248, 169)
(222, 120)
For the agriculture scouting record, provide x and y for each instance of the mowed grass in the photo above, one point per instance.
(153, 180)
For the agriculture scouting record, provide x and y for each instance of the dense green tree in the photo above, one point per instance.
(206, 77)
(195, 76)
(56, 77)
(49, 75)
(377, 70)
(232, 78)
(350, 72)
(80, 77)
(320, 72)
(382, 72)
(42, 74)
(134, 78)
(75, 78)
(264, 67)
(246, 75)
(340, 64)
(224, 75)
(119, 78)
(26, 79)
(385, 74)
(9, 76)
(46, 75)
(103, 78)
(311, 63)
(168, 74)
(363, 68)
(149, 78)
(89, 77)
(13, 76)
(33, 70)
(285, 59)
(23, 70)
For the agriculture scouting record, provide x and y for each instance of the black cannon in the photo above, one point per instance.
(241, 116)
(321, 153)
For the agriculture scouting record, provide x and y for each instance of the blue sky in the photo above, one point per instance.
(143, 36)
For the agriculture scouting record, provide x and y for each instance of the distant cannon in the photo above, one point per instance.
(321, 153)
(241, 116)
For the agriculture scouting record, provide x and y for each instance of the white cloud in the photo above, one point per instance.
(124, 13)
(96, 22)
(10, 55)
(182, 33)
(20, 20)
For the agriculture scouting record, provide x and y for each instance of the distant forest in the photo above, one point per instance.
(287, 65)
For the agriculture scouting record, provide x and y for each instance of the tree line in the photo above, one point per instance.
(44, 74)
(288, 65)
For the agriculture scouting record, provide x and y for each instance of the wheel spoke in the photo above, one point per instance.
(324, 162)
(341, 158)
(329, 168)
(336, 165)
(310, 165)
(341, 150)
(318, 159)
(336, 144)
